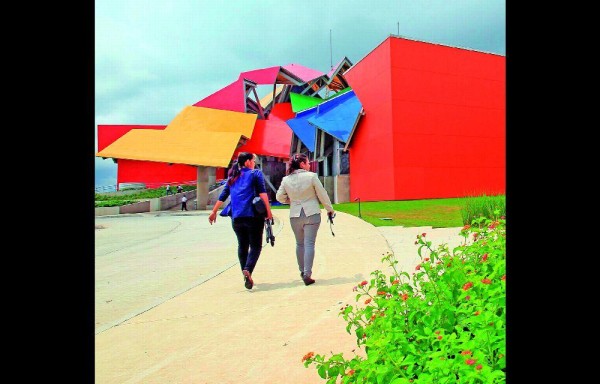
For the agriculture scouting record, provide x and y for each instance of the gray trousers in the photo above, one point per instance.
(305, 230)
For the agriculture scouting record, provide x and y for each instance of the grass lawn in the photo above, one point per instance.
(437, 213)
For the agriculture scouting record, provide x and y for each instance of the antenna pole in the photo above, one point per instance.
(398, 28)
(330, 51)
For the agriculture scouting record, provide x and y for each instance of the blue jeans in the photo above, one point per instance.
(249, 232)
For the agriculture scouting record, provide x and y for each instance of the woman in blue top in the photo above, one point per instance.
(243, 184)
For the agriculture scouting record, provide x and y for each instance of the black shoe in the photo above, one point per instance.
(248, 283)
(308, 281)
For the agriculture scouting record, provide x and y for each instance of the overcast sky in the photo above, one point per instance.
(154, 57)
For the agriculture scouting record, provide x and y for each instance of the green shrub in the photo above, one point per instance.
(146, 194)
(483, 206)
(113, 203)
(445, 323)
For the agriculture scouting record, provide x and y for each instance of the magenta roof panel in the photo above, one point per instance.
(230, 98)
(304, 73)
(262, 76)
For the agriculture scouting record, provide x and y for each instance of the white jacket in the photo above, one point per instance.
(303, 189)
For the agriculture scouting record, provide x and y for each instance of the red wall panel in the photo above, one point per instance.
(371, 149)
(155, 174)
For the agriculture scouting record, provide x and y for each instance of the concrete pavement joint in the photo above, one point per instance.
(117, 323)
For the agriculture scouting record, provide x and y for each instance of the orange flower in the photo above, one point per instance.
(486, 281)
(380, 292)
(477, 313)
(466, 227)
(404, 297)
(503, 277)
(439, 337)
(467, 297)
(350, 372)
(470, 361)
(467, 286)
(418, 267)
(437, 332)
(467, 352)
(427, 259)
(423, 234)
(368, 301)
(479, 366)
(364, 282)
(308, 356)
(484, 257)
(395, 282)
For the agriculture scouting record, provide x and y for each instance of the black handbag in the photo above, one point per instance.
(259, 206)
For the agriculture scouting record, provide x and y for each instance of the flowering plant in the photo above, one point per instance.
(445, 323)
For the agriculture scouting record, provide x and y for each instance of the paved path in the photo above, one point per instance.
(171, 306)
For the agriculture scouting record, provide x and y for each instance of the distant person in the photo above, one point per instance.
(243, 184)
(303, 191)
(169, 192)
(184, 203)
(179, 189)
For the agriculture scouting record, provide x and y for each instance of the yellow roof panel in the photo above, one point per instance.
(267, 99)
(193, 148)
(208, 119)
(196, 136)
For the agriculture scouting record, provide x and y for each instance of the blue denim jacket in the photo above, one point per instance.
(250, 183)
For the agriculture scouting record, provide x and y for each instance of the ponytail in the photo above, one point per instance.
(236, 166)
(295, 161)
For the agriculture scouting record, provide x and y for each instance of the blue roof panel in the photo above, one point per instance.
(306, 132)
(337, 116)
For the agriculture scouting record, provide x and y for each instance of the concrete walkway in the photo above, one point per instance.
(171, 306)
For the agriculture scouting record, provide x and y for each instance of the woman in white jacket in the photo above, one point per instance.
(303, 191)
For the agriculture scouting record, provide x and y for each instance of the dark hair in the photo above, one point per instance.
(235, 170)
(295, 161)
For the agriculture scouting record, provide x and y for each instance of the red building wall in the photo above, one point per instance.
(445, 133)
(155, 174)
